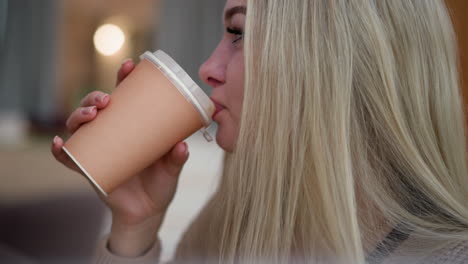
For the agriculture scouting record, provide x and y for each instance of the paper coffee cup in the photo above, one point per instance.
(153, 108)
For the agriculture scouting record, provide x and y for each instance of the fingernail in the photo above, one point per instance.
(88, 110)
(56, 140)
(126, 60)
(100, 98)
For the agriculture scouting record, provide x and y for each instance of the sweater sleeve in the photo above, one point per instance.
(457, 253)
(102, 254)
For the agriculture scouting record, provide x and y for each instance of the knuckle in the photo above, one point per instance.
(57, 157)
(70, 123)
(67, 123)
(83, 101)
(70, 128)
(60, 159)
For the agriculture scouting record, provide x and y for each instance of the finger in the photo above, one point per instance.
(125, 69)
(79, 116)
(96, 98)
(176, 158)
(60, 155)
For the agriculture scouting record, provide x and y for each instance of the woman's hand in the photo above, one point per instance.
(139, 205)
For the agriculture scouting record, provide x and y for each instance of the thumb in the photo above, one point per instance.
(175, 159)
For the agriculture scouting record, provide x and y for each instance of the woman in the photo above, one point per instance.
(351, 146)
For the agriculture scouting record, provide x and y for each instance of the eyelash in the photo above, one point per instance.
(236, 32)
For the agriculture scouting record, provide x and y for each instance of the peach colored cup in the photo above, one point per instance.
(151, 110)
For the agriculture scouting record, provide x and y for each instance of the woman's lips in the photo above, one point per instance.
(218, 107)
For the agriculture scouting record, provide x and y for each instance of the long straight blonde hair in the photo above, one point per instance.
(346, 103)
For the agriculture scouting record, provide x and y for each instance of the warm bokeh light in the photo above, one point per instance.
(109, 39)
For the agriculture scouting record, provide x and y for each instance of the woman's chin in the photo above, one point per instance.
(223, 143)
(223, 140)
(226, 135)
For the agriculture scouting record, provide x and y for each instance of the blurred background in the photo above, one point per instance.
(53, 53)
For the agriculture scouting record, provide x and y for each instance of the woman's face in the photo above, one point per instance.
(224, 71)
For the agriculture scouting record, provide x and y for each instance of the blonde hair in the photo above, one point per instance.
(345, 103)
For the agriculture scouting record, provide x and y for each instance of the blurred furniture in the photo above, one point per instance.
(48, 213)
(28, 31)
(57, 230)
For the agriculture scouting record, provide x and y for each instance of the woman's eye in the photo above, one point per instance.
(237, 32)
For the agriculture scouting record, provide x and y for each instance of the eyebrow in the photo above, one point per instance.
(234, 10)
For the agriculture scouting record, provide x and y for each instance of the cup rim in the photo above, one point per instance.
(183, 82)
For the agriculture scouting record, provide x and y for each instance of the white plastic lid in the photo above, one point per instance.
(189, 89)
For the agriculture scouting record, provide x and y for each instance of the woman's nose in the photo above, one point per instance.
(212, 71)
